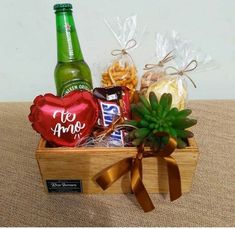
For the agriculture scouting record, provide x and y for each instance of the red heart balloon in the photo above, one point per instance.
(64, 121)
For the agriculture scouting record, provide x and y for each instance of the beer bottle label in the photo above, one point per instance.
(75, 85)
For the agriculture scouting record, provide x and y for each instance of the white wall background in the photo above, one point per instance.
(28, 41)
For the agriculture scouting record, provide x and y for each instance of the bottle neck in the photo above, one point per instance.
(68, 47)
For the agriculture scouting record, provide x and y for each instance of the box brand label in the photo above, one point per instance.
(64, 185)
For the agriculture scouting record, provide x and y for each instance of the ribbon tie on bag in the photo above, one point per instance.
(108, 130)
(116, 52)
(184, 71)
(109, 175)
(162, 62)
(129, 45)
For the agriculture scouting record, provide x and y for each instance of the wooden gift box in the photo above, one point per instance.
(82, 164)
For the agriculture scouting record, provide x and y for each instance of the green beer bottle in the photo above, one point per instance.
(71, 72)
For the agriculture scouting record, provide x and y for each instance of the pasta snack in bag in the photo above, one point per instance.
(122, 70)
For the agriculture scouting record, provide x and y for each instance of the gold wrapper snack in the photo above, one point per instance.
(174, 85)
(121, 75)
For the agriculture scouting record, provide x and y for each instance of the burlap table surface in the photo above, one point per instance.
(211, 201)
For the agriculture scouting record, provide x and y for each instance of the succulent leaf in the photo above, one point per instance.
(153, 101)
(145, 102)
(132, 123)
(184, 133)
(180, 143)
(184, 113)
(142, 109)
(157, 116)
(142, 132)
(184, 123)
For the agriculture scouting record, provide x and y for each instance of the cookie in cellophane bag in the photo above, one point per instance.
(163, 55)
(122, 70)
(174, 82)
(187, 59)
(174, 85)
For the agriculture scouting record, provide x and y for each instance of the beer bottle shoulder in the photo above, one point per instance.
(71, 71)
(75, 69)
(71, 64)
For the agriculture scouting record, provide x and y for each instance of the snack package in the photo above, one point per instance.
(114, 104)
(163, 55)
(187, 59)
(175, 84)
(122, 70)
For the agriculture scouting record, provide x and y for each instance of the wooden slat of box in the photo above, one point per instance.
(83, 164)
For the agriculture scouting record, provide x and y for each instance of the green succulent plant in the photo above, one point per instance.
(158, 116)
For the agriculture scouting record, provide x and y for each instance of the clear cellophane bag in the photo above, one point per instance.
(187, 60)
(122, 71)
(156, 70)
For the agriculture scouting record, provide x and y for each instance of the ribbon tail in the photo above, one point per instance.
(112, 173)
(173, 178)
(138, 187)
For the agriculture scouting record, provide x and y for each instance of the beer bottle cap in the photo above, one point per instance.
(63, 7)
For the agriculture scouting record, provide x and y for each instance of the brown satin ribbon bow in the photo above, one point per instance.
(134, 164)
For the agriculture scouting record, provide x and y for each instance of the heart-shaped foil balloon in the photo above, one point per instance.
(64, 121)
